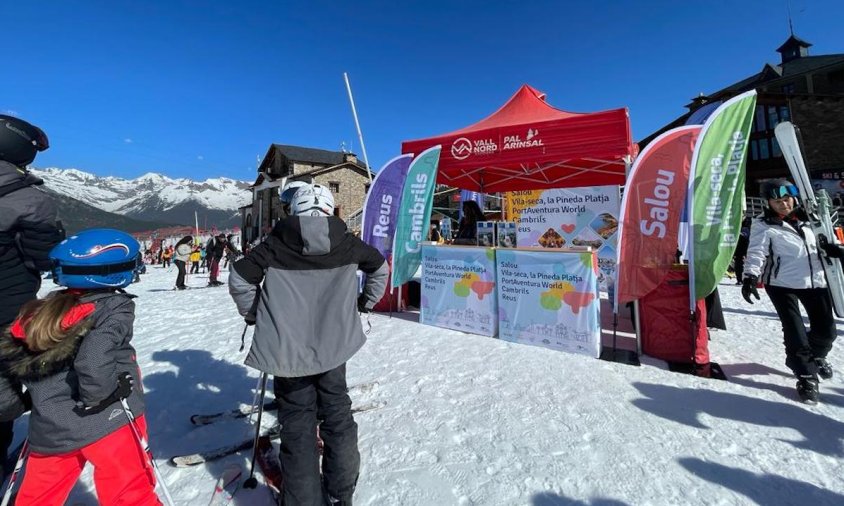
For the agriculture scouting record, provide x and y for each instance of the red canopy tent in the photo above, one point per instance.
(529, 145)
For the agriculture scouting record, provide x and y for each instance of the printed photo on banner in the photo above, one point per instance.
(569, 217)
(505, 232)
(486, 234)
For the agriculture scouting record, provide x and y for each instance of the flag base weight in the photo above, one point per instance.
(627, 357)
(711, 370)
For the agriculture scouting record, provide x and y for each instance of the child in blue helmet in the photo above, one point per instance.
(72, 351)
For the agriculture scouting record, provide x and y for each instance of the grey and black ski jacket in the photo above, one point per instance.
(84, 368)
(306, 312)
(784, 254)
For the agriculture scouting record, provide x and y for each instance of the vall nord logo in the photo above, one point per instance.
(461, 148)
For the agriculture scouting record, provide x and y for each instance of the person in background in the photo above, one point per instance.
(195, 259)
(231, 251)
(72, 351)
(306, 328)
(166, 257)
(181, 255)
(434, 234)
(783, 254)
(467, 230)
(203, 258)
(741, 249)
(215, 249)
(28, 230)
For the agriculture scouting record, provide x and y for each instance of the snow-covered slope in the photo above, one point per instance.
(471, 420)
(151, 196)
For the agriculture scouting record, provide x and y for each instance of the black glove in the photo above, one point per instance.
(125, 382)
(748, 288)
(362, 304)
(832, 250)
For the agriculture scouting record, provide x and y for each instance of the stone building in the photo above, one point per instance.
(345, 175)
(806, 90)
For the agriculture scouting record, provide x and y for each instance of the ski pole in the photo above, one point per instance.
(255, 397)
(252, 482)
(18, 466)
(145, 448)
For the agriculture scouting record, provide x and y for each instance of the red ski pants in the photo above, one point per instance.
(122, 474)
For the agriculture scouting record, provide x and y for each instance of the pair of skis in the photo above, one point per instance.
(818, 207)
(223, 451)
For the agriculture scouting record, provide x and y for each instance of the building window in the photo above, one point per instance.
(334, 186)
(785, 114)
(775, 146)
(754, 150)
(773, 117)
(759, 123)
(788, 89)
(764, 154)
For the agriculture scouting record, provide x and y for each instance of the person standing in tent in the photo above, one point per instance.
(467, 230)
(306, 328)
(28, 230)
(783, 254)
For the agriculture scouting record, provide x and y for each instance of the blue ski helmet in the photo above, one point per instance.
(95, 258)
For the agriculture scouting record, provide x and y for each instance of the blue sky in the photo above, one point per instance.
(201, 88)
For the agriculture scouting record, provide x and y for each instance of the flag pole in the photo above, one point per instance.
(357, 125)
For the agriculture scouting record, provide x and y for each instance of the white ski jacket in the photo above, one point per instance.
(784, 255)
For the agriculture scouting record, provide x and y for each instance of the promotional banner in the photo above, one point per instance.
(716, 187)
(382, 204)
(549, 299)
(414, 215)
(458, 289)
(568, 217)
(651, 209)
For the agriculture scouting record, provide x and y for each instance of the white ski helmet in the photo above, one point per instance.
(287, 193)
(312, 200)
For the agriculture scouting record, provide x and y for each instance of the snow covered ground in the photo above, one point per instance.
(471, 420)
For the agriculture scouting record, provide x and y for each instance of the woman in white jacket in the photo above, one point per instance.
(784, 255)
(181, 255)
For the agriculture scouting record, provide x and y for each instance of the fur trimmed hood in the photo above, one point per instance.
(24, 365)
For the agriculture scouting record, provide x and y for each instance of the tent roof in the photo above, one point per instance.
(528, 144)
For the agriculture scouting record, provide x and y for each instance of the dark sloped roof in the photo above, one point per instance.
(301, 154)
(810, 64)
(793, 41)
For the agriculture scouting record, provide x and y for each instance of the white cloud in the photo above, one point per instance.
(200, 157)
(9, 112)
(127, 140)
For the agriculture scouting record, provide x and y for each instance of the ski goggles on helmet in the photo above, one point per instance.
(782, 191)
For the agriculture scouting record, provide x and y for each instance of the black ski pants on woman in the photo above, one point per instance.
(180, 278)
(301, 403)
(801, 347)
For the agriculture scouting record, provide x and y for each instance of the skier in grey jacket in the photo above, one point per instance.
(28, 230)
(784, 255)
(306, 328)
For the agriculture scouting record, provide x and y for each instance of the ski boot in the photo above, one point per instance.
(824, 369)
(807, 389)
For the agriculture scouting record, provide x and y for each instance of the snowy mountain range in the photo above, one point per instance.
(154, 197)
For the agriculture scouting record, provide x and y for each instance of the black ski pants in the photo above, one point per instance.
(180, 278)
(194, 267)
(6, 436)
(302, 402)
(802, 347)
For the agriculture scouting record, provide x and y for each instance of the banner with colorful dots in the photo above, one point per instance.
(549, 299)
(566, 217)
(458, 289)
